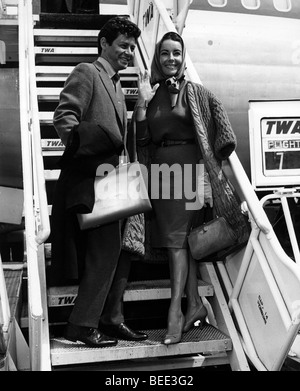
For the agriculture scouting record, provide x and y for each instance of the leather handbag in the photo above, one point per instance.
(121, 193)
(210, 238)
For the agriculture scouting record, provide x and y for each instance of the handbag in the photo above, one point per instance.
(119, 193)
(210, 237)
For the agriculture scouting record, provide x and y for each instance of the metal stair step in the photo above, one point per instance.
(52, 144)
(52, 93)
(40, 34)
(52, 69)
(64, 296)
(65, 50)
(72, 21)
(156, 364)
(207, 341)
(51, 73)
(52, 175)
(46, 117)
(135, 291)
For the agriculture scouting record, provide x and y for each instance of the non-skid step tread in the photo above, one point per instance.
(205, 341)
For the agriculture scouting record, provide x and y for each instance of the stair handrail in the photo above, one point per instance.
(41, 194)
(31, 184)
(254, 206)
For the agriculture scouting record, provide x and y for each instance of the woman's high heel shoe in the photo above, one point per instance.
(200, 314)
(170, 339)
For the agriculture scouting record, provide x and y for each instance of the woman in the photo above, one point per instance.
(170, 124)
(170, 114)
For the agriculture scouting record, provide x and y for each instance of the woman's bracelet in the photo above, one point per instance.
(142, 105)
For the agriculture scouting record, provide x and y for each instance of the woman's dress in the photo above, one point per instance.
(173, 173)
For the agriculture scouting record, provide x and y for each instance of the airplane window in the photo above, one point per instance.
(217, 3)
(251, 4)
(282, 5)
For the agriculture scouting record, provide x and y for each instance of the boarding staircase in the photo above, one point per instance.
(47, 55)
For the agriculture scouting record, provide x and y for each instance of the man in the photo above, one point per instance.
(91, 121)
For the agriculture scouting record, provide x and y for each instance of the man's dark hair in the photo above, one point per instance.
(116, 26)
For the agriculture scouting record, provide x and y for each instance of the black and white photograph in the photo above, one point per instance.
(150, 189)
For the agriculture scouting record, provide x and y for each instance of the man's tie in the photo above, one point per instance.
(115, 80)
(117, 84)
(119, 94)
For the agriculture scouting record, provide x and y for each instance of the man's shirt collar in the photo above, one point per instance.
(107, 66)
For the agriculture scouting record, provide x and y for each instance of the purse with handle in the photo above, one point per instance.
(119, 193)
(210, 238)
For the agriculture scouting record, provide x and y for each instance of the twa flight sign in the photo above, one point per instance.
(281, 145)
(275, 143)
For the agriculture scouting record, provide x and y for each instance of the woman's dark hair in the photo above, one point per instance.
(173, 36)
(116, 26)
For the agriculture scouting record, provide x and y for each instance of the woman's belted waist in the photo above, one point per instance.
(169, 143)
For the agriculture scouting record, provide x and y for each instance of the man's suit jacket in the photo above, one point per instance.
(92, 124)
(89, 95)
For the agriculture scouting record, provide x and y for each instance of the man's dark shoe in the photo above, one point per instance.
(122, 331)
(88, 335)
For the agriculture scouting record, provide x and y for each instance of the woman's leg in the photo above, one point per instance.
(178, 264)
(195, 309)
(191, 288)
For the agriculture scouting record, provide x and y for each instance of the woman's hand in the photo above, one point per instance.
(146, 92)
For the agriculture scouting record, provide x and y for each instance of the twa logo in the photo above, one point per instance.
(52, 144)
(131, 91)
(65, 300)
(282, 127)
(47, 50)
